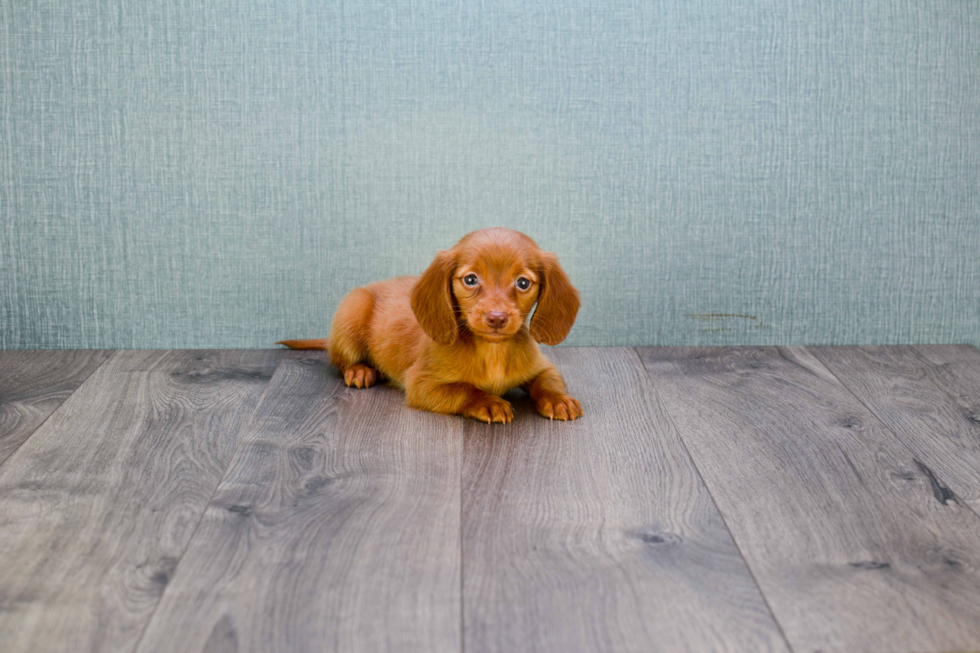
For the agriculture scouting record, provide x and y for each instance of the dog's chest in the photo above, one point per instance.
(495, 373)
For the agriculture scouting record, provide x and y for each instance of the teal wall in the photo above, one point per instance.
(188, 174)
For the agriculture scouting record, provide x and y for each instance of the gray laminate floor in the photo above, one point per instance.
(742, 499)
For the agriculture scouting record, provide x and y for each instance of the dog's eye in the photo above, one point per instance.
(523, 283)
(470, 280)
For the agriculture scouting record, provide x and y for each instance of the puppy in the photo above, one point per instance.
(458, 337)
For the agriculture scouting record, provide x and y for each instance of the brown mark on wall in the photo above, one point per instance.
(716, 318)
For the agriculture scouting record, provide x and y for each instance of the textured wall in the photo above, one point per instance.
(179, 175)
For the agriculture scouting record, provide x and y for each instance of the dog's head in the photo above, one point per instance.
(489, 283)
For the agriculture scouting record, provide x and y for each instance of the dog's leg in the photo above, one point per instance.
(547, 390)
(426, 393)
(348, 342)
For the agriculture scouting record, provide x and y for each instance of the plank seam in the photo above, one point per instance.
(898, 438)
(58, 409)
(190, 540)
(697, 470)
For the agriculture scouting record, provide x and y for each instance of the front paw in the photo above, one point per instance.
(360, 375)
(489, 409)
(563, 407)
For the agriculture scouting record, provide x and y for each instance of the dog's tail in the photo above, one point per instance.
(304, 344)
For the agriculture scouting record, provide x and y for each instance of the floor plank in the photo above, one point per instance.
(32, 386)
(98, 505)
(843, 531)
(957, 371)
(335, 529)
(933, 408)
(598, 535)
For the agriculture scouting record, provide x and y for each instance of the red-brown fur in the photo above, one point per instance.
(432, 335)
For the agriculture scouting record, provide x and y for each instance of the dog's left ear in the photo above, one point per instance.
(432, 300)
(558, 303)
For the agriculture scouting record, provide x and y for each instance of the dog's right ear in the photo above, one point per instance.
(432, 300)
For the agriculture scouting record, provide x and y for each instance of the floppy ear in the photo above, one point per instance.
(432, 300)
(557, 304)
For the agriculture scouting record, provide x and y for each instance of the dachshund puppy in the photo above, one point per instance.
(457, 337)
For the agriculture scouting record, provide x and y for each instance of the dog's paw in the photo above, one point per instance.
(360, 375)
(489, 409)
(563, 407)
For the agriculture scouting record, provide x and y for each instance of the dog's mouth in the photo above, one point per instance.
(493, 335)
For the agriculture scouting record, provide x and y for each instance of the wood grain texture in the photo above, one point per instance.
(598, 535)
(335, 529)
(933, 408)
(957, 371)
(98, 505)
(33, 384)
(842, 529)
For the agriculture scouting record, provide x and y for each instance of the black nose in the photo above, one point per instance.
(497, 320)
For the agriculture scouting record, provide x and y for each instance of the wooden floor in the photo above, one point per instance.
(747, 499)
